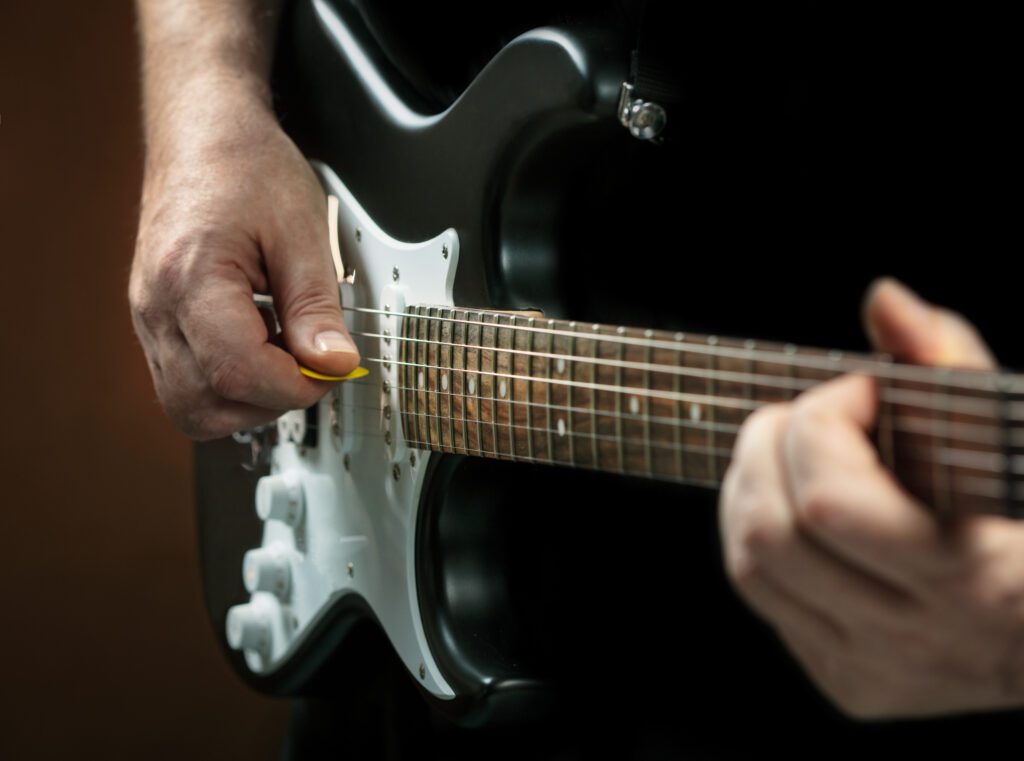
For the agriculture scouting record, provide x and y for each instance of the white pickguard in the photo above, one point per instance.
(356, 529)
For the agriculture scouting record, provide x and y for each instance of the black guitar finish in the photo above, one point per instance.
(558, 208)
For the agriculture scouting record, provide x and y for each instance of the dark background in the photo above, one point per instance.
(104, 646)
(901, 161)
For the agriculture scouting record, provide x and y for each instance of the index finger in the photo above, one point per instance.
(844, 496)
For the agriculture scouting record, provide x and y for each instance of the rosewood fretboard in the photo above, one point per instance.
(669, 406)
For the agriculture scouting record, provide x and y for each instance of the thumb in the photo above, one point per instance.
(308, 305)
(901, 323)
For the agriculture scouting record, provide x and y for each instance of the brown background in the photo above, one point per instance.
(105, 646)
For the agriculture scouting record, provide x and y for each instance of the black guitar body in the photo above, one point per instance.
(560, 598)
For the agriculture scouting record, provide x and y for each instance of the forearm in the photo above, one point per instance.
(205, 70)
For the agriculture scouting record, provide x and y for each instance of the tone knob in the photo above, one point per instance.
(248, 628)
(266, 570)
(280, 497)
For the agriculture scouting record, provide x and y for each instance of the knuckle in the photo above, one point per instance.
(313, 300)
(230, 377)
(817, 506)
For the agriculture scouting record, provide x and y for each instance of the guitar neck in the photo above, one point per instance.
(669, 405)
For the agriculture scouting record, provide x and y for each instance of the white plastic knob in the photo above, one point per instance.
(280, 497)
(248, 628)
(266, 570)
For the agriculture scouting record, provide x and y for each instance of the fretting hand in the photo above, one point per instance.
(890, 614)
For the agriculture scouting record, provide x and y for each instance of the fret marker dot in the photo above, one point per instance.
(419, 379)
(444, 381)
(502, 388)
(695, 412)
(560, 366)
(634, 405)
(561, 426)
(472, 384)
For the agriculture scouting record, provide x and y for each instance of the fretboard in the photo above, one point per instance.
(670, 405)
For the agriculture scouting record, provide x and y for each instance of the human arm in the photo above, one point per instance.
(229, 208)
(890, 614)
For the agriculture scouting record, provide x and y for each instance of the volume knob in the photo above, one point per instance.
(248, 628)
(265, 570)
(280, 497)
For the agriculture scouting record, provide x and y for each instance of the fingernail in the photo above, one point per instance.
(334, 341)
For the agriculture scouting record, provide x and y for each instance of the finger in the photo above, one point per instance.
(786, 613)
(902, 324)
(229, 340)
(305, 288)
(764, 540)
(199, 412)
(843, 496)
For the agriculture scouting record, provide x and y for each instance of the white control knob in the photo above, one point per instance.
(279, 497)
(248, 628)
(266, 570)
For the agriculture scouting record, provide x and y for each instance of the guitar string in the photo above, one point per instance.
(789, 354)
(966, 433)
(983, 405)
(965, 458)
(994, 488)
(903, 397)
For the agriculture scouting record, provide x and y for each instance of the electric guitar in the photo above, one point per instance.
(328, 518)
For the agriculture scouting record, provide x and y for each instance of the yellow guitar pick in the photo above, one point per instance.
(359, 372)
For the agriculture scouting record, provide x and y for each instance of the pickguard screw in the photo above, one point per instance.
(359, 235)
(444, 251)
(347, 462)
(394, 274)
(423, 671)
(396, 472)
(351, 570)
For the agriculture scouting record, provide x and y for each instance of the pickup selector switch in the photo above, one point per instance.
(266, 570)
(280, 497)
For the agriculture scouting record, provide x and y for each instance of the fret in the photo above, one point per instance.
(446, 374)
(458, 382)
(696, 442)
(662, 417)
(582, 399)
(648, 459)
(530, 334)
(547, 393)
(434, 378)
(677, 432)
(618, 408)
(558, 397)
(421, 381)
(569, 404)
(408, 398)
(734, 388)
(633, 407)
(492, 377)
(607, 427)
(474, 382)
(509, 385)
(595, 451)
(712, 406)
